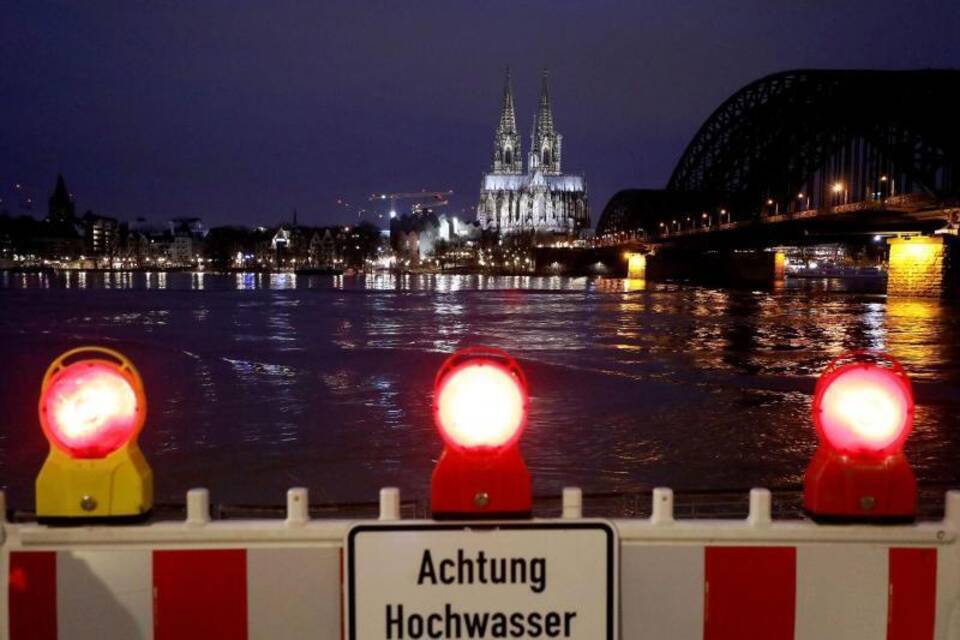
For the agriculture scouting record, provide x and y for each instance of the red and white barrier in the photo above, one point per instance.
(679, 579)
(173, 593)
(806, 592)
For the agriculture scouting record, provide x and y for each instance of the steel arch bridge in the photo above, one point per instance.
(805, 140)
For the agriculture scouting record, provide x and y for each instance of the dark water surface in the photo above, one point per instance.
(257, 383)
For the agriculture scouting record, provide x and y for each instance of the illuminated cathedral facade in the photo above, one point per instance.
(541, 199)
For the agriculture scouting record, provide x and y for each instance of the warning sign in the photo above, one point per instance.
(505, 580)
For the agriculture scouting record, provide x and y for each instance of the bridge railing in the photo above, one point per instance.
(903, 203)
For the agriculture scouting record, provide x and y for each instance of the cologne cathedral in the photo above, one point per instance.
(541, 199)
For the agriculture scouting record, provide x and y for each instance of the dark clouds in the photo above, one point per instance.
(240, 111)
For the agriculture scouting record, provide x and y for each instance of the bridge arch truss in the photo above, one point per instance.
(808, 139)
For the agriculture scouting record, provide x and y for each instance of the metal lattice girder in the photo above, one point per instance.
(798, 130)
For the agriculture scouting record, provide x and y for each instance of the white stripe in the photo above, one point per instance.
(661, 591)
(293, 593)
(948, 576)
(104, 594)
(841, 591)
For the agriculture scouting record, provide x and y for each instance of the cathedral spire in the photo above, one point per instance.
(545, 115)
(508, 116)
(506, 154)
(545, 141)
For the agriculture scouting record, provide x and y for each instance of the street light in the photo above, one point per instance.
(893, 185)
(840, 188)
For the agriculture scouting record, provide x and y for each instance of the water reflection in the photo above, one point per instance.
(283, 281)
(917, 335)
(245, 282)
(448, 314)
(321, 380)
(790, 330)
(381, 281)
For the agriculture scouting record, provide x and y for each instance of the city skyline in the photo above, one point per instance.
(153, 113)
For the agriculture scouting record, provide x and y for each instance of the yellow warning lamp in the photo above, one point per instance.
(92, 408)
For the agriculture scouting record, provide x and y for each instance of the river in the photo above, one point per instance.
(260, 382)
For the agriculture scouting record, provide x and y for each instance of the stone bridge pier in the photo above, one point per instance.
(924, 266)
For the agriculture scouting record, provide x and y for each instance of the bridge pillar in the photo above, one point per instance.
(924, 266)
(636, 265)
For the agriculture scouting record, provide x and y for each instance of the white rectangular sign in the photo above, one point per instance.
(482, 580)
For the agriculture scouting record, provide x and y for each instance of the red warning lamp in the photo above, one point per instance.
(480, 407)
(92, 408)
(863, 413)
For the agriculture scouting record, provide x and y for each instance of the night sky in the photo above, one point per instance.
(239, 112)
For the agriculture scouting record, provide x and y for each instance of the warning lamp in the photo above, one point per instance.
(92, 408)
(863, 413)
(480, 408)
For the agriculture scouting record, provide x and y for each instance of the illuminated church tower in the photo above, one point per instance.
(544, 141)
(542, 199)
(507, 157)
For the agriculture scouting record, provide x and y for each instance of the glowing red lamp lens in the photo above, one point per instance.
(480, 403)
(480, 407)
(864, 407)
(90, 409)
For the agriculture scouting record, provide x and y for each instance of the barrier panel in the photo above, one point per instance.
(677, 579)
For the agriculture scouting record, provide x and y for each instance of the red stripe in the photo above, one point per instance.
(912, 608)
(750, 593)
(200, 594)
(33, 595)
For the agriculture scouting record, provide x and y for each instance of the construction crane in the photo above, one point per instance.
(431, 199)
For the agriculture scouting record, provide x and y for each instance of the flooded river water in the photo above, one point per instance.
(261, 382)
